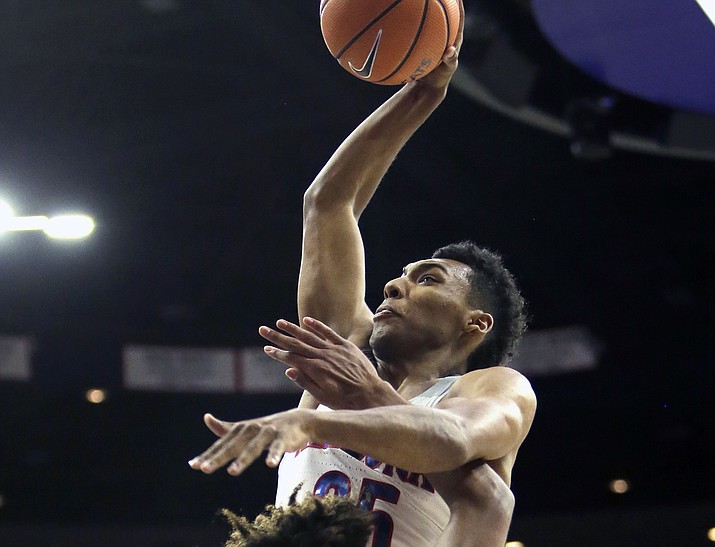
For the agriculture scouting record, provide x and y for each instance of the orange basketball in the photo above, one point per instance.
(389, 42)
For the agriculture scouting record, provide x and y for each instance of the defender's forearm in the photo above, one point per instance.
(354, 171)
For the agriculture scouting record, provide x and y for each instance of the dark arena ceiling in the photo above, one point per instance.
(189, 130)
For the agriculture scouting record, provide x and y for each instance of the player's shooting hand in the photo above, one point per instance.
(440, 77)
(241, 443)
(331, 368)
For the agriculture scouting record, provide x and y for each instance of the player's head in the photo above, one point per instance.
(427, 317)
(493, 289)
(328, 522)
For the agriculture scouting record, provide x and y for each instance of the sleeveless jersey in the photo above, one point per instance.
(407, 512)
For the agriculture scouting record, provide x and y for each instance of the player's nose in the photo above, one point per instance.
(394, 289)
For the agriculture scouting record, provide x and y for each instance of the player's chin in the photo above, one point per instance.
(382, 330)
(388, 340)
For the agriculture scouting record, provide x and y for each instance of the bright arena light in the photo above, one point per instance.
(6, 215)
(26, 224)
(96, 395)
(711, 534)
(514, 544)
(69, 226)
(619, 486)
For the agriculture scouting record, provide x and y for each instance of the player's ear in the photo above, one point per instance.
(479, 321)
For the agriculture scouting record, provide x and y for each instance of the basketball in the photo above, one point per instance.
(389, 42)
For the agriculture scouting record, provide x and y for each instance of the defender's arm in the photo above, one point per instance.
(488, 422)
(487, 419)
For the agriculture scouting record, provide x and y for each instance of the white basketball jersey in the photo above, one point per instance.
(407, 512)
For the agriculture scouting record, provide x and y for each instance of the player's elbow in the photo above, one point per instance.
(498, 437)
(322, 196)
(329, 192)
(313, 196)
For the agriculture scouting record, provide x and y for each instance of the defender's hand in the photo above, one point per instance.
(331, 368)
(241, 443)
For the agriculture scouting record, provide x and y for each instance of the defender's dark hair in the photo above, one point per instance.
(328, 522)
(494, 290)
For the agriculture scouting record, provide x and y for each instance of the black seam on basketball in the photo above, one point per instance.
(412, 47)
(363, 31)
(446, 18)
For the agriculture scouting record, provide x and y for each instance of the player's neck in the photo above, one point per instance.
(412, 373)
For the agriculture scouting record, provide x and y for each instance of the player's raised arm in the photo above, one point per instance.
(331, 284)
(332, 277)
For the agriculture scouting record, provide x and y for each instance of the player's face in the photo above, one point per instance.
(425, 309)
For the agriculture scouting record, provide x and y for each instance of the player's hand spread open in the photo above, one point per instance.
(241, 443)
(334, 370)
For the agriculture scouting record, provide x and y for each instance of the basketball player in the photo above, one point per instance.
(429, 445)
(326, 522)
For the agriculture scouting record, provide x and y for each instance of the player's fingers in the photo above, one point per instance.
(304, 382)
(264, 436)
(217, 427)
(289, 358)
(308, 336)
(323, 330)
(275, 452)
(280, 339)
(290, 343)
(460, 32)
(220, 452)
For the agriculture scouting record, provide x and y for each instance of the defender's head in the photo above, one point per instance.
(328, 522)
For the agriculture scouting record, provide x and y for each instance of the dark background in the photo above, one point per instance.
(190, 131)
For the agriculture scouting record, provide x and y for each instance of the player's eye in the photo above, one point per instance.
(427, 278)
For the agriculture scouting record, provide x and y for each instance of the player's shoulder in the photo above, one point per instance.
(493, 381)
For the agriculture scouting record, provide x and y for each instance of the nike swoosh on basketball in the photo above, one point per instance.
(366, 70)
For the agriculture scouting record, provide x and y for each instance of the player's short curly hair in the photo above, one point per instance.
(494, 289)
(330, 521)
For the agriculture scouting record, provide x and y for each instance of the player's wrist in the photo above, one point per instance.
(387, 396)
(427, 93)
(308, 421)
(379, 394)
(322, 427)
